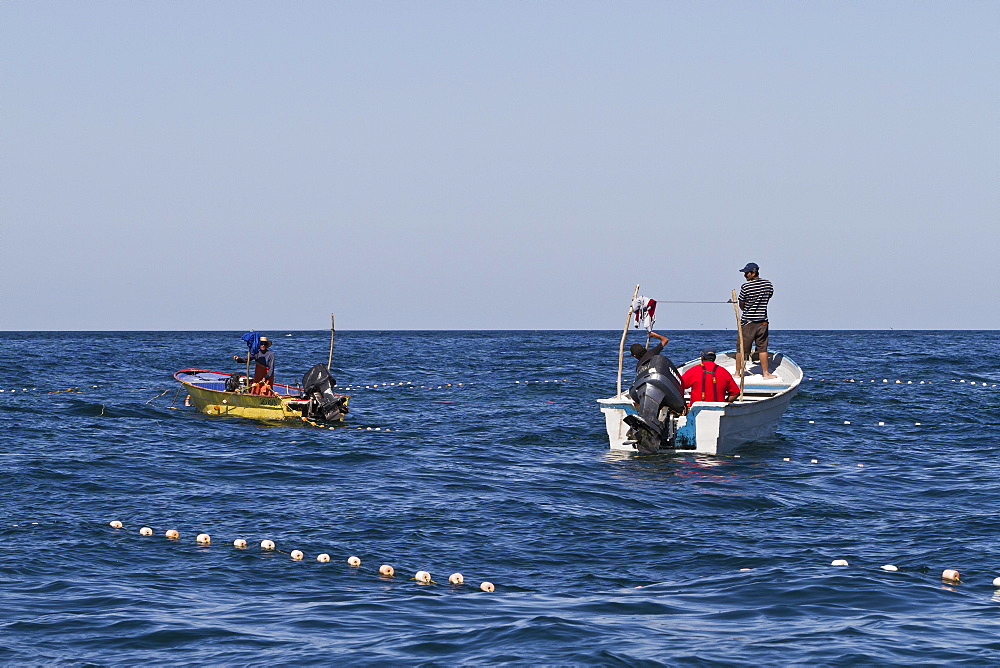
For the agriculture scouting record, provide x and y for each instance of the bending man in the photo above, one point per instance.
(639, 351)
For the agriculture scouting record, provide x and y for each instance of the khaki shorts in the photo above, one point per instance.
(754, 333)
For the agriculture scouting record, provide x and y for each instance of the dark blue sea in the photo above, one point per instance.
(485, 453)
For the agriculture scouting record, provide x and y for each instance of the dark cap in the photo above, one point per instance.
(637, 350)
(751, 266)
(708, 353)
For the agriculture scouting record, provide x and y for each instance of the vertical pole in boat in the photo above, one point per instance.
(333, 332)
(740, 357)
(248, 361)
(621, 347)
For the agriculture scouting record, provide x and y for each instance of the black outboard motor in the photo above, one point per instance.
(236, 381)
(317, 385)
(657, 392)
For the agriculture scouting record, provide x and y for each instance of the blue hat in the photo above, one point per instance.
(751, 266)
(708, 352)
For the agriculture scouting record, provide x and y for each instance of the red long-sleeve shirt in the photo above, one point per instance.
(709, 382)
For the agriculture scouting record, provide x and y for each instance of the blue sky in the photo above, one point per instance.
(497, 165)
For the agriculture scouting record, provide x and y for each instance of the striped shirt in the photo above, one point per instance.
(754, 295)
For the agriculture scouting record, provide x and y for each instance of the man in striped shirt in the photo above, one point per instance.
(754, 295)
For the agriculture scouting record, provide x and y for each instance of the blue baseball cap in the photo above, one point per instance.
(707, 352)
(751, 266)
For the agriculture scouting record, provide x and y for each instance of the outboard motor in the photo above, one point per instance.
(317, 385)
(658, 393)
(235, 382)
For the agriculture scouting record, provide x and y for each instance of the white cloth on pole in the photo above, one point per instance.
(645, 312)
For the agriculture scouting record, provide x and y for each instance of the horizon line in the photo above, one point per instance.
(156, 331)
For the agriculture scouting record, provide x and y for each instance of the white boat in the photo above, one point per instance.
(718, 428)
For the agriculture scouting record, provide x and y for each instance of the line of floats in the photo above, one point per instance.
(267, 545)
(949, 576)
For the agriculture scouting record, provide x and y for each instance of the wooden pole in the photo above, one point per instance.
(621, 346)
(740, 356)
(333, 332)
(248, 362)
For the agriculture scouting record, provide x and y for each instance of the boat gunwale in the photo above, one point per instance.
(297, 395)
(762, 392)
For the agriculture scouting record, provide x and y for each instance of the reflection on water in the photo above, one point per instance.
(678, 468)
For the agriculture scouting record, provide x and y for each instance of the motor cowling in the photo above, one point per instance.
(236, 381)
(317, 385)
(659, 396)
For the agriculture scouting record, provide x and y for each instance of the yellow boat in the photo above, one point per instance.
(217, 393)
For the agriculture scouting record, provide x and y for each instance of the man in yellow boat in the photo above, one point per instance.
(263, 373)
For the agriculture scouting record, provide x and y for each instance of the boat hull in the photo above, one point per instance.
(202, 386)
(717, 428)
(230, 404)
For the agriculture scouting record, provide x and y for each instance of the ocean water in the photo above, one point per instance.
(485, 453)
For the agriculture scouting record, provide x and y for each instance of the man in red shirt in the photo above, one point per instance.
(709, 381)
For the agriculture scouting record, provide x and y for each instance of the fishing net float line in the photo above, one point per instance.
(948, 575)
(266, 545)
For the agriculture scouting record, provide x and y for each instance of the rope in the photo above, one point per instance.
(160, 395)
(172, 401)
